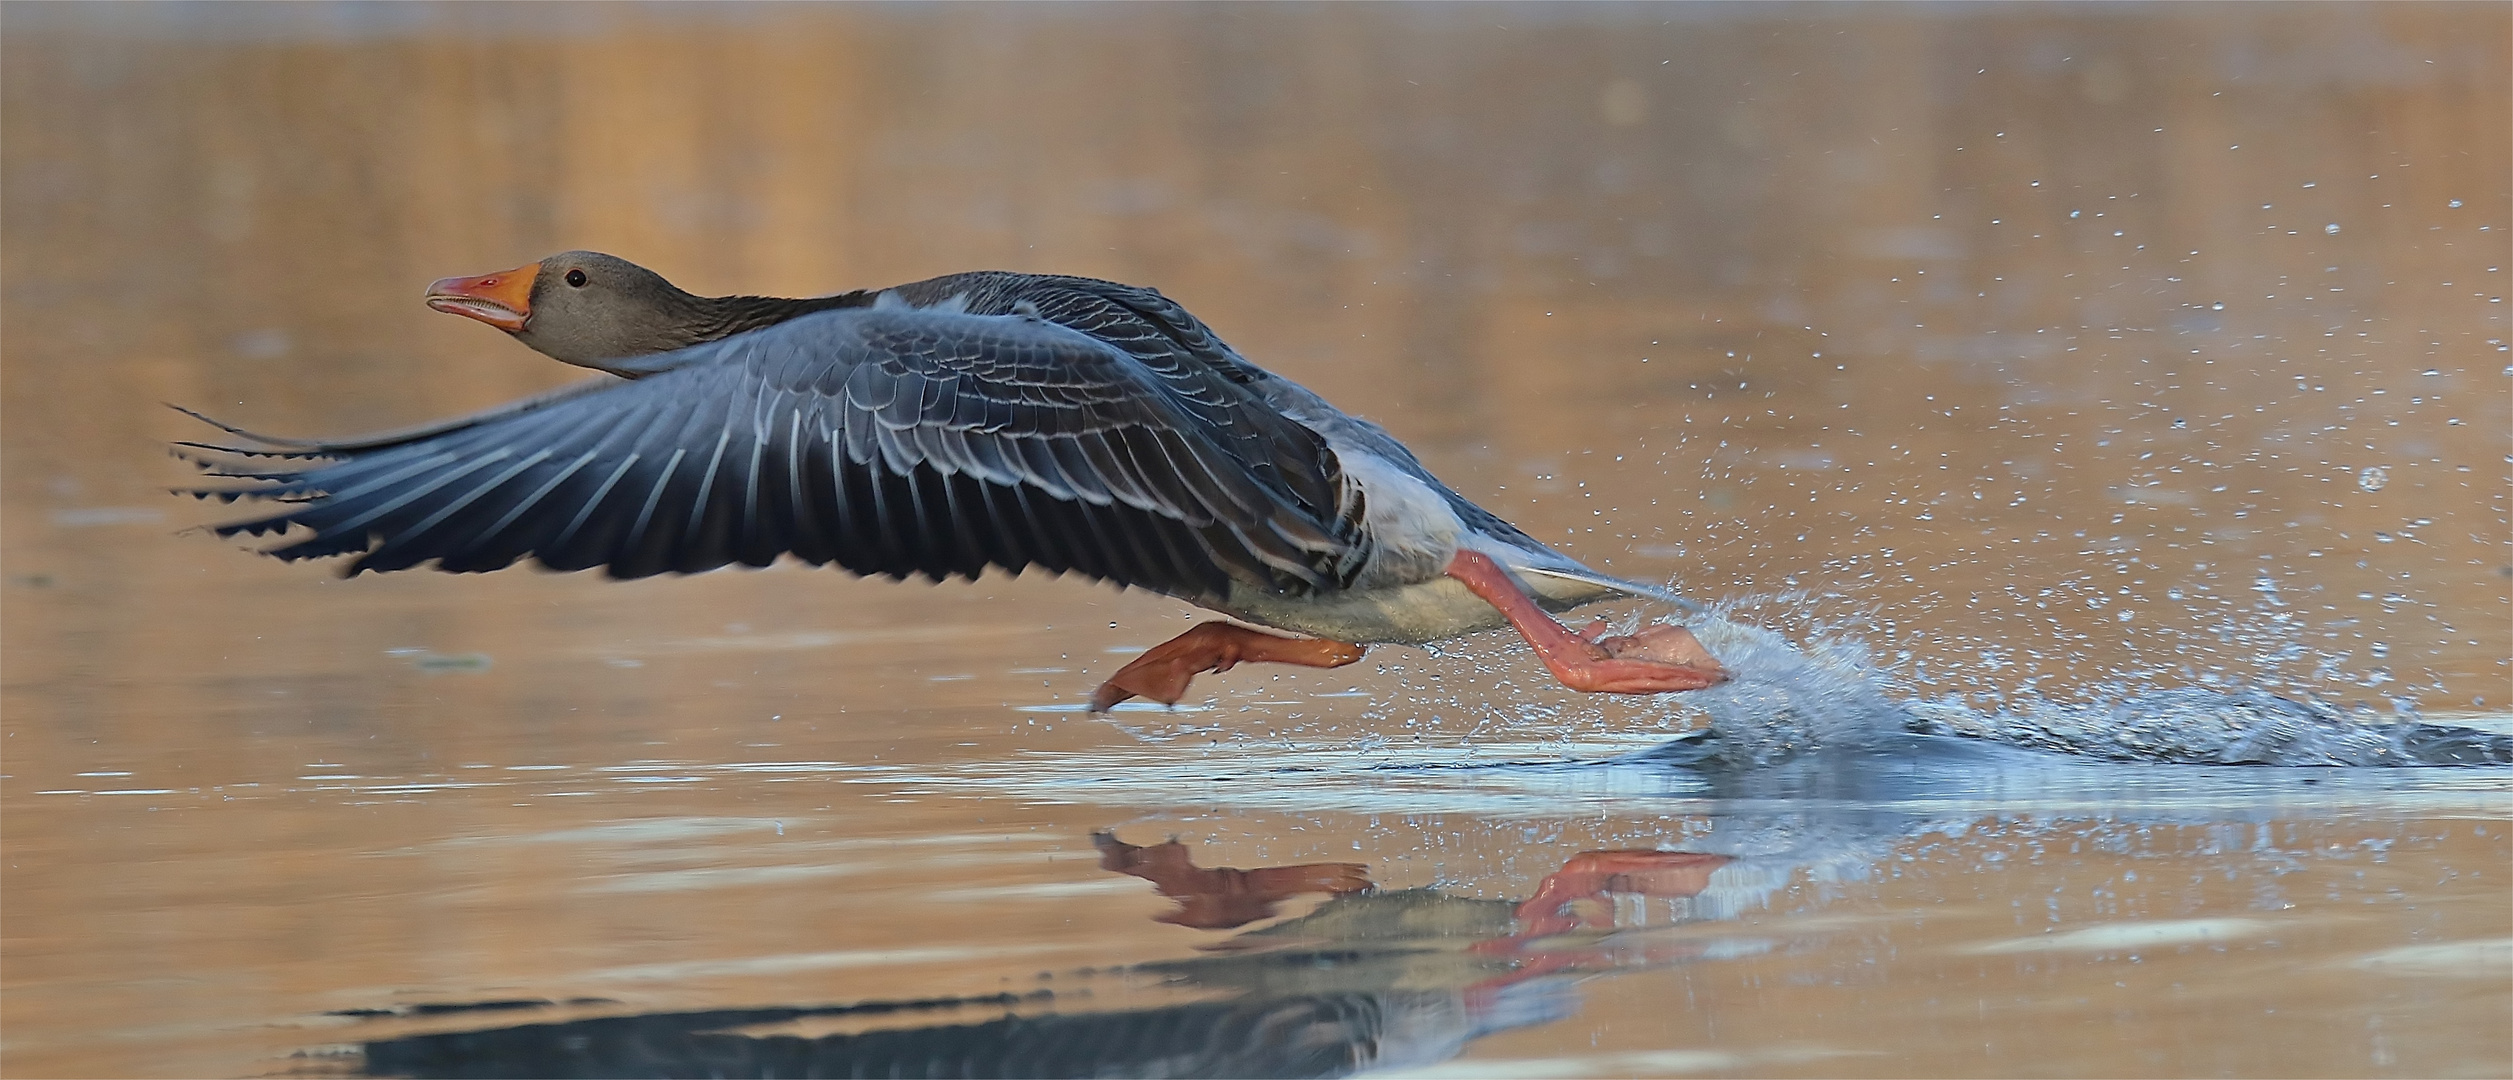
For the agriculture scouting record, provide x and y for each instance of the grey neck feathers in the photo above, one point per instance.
(724, 316)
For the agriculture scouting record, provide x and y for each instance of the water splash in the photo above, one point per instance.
(1786, 699)
(1825, 692)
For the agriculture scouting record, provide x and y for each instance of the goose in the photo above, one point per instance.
(939, 428)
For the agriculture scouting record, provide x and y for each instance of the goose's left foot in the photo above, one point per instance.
(1657, 660)
(1164, 670)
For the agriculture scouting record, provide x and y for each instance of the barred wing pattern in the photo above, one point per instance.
(1175, 347)
(888, 439)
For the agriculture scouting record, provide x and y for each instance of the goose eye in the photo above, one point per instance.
(576, 278)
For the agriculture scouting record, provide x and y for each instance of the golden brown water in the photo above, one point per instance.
(1915, 311)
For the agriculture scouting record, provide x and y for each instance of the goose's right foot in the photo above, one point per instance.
(1657, 660)
(1657, 641)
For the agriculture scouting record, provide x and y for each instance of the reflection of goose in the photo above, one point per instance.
(938, 428)
(1381, 979)
(1369, 980)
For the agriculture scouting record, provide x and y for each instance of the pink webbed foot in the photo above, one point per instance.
(1659, 659)
(1656, 642)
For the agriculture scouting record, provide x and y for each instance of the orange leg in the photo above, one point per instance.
(1654, 661)
(1163, 671)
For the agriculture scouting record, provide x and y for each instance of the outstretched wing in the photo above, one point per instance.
(888, 440)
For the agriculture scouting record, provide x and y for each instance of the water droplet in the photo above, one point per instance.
(2219, 306)
(2266, 586)
(2456, 204)
(2331, 228)
(2373, 477)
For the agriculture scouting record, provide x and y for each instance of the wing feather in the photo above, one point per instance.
(889, 440)
(561, 553)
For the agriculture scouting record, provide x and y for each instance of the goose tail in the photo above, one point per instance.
(1628, 588)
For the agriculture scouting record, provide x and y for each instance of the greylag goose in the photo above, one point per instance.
(939, 428)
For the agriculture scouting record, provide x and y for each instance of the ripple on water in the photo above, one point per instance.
(2483, 959)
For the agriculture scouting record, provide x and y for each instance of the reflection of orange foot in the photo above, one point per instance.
(1575, 898)
(1655, 661)
(1571, 898)
(1163, 671)
(1222, 897)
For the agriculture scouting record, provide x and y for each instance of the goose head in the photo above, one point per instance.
(581, 307)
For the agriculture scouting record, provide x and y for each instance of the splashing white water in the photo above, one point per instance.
(1786, 700)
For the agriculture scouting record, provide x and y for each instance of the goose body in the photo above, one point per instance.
(936, 428)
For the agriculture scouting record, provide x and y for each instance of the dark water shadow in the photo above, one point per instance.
(1303, 1035)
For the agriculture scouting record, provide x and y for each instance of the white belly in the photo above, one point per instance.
(1413, 532)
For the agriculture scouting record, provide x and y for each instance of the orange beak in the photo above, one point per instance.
(502, 299)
